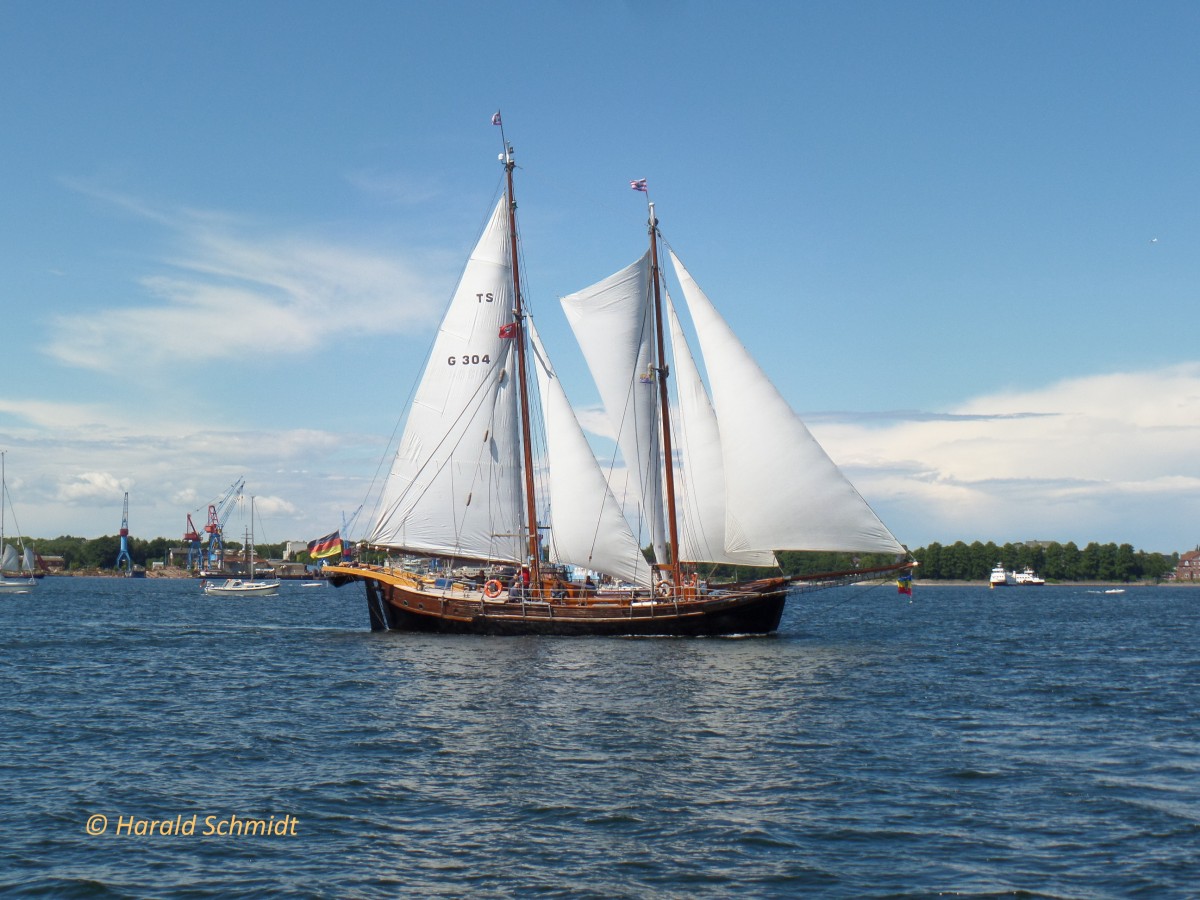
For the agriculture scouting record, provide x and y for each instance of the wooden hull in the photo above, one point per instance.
(395, 602)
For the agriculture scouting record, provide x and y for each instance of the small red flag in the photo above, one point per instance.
(509, 330)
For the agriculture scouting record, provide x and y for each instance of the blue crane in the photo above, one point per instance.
(123, 556)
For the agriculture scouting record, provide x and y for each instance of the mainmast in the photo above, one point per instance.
(519, 319)
(663, 372)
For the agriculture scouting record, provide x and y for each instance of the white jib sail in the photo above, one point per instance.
(10, 560)
(455, 487)
(700, 487)
(614, 324)
(783, 491)
(587, 526)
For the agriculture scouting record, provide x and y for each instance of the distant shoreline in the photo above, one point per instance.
(176, 574)
(180, 574)
(1107, 584)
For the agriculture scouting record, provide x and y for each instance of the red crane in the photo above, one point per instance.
(217, 513)
(192, 538)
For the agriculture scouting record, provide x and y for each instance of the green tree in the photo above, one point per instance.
(1125, 563)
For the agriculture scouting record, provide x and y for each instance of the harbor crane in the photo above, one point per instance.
(123, 558)
(218, 512)
(192, 538)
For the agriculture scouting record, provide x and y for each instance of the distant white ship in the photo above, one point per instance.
(1002, 578)
(1028, 577)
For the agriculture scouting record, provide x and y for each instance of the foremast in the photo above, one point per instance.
(535, 568)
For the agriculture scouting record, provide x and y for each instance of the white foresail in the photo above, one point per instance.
(587, 526)
(613, 322)
(700, 487)
(455, 485)
(28, 561)
(10, 560)
(783, 491)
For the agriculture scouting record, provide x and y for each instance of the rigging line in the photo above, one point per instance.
(849, 597)
(633, 467)
(689, 489)
(494, 487)
(542, 360)
(470, 407)
(647, 469)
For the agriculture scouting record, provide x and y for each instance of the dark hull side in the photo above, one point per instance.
(394, 608)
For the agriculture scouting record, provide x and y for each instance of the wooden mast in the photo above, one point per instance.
(535, 569)
(663, 372)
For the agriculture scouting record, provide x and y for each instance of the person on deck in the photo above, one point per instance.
(523, 590)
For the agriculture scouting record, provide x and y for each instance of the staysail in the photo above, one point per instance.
(614, 325)
(701, 484)
(455, 484)
(783, 492)
(587, 526)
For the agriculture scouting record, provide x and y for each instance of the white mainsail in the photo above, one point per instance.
(700, 487)
(782, 491)
(455, 485)
(587, 526)
(10, 560)
(614, 325)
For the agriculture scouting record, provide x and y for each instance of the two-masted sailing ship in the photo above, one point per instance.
(549, 544)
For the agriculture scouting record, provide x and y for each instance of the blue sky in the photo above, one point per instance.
(961, 237)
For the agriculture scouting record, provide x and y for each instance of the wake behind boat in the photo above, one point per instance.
(746, 477)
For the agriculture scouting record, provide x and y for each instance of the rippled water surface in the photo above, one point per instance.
(1036, 740)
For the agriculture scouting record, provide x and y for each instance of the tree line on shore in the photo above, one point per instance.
(961, 561)
(950, 562)
(101, 553)
(1052, 561)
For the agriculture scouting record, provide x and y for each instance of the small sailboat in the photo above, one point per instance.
(723, 479)
(16, 565)
(249, 586)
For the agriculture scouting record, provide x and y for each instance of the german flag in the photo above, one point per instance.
(330, 545)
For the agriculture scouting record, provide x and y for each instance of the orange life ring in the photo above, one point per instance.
(492, 589)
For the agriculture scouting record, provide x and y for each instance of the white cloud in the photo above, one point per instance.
(594, 420)
(236, 290)
(88, 487)
(41, 414)
(298, 476)
(1106, 457)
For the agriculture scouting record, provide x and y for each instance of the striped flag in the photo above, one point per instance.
(639, 185)
(330, 545)
(904, 584)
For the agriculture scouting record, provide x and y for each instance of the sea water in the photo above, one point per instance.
(1027, 741)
